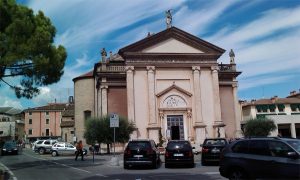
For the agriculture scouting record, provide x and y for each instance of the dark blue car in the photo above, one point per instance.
(9, 147)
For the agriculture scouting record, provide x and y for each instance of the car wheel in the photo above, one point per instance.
(54, 153)
(204, 163)
(126, 166)
(41, 151)
(167, 165)
(237, 174)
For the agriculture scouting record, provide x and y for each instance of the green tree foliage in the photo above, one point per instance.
(27, 52)
(259, 127)
(98, 129)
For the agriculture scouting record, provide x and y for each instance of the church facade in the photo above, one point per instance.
(168, 83)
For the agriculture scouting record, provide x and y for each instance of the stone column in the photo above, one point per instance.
(151, 95)
(237, 113)
(104, 99)
(197, 92)
(189, 124)
(130, 92)
(216, 94)
(99, 103)
(293, 130)
(162, 125)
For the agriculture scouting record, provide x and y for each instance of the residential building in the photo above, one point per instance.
(169, 82)
(44, 121)
(67, 124)
(284, 111)
(11, 124)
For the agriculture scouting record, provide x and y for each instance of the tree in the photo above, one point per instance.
(27, 52)
(98, 129)
(259, 127)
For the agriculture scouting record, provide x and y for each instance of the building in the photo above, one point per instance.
(169, 82)
(67, 124)
(11, 124)
(44, 121)
(284, 111)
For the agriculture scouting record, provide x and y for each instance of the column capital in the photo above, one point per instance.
(129, 68)
(234, 85)
(104, 87)
(196, 68)
(189, 113)
(150, 68)
(214, 69)
(161, 114)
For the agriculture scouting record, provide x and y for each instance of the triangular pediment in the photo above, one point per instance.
(174, 86)
(171, 41)
(171, 45)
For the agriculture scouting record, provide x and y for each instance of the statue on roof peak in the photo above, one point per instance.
(169, 18)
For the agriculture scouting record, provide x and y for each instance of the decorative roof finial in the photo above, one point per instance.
(103, 54)
(232, 56)
(169, 18)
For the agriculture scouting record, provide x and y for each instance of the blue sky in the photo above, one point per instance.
(264, 34)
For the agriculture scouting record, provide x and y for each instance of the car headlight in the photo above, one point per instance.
(15, 149)
(4, 149)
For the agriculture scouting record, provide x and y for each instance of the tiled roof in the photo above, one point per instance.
(273, 101)
(86, 75)
(49, 107)
(67, 124)
(69, 111)
(10, 110)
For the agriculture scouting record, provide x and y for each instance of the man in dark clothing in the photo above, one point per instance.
(79, 148)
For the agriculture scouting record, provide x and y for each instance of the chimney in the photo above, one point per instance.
(71, 99)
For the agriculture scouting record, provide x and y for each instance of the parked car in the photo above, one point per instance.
(63, 148)
(9, 147)
(141, 152)
(211, 150)
(44, 146)
(274, 158)
(179, 152)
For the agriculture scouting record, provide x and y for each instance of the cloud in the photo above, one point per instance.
(259, 81)
(195, 20)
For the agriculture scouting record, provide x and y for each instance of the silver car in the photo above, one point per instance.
(63, 148)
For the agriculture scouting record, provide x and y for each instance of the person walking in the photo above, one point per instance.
(79, 148)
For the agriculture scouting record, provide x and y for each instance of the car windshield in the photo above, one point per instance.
(215, 142)
(9, 145)
(179, 145)
(295, 144)
(140, 144)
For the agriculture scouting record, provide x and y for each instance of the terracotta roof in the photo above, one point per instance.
(67, 124)
(69, 111)
(86, 75)
(295, 95)
(49, 107)
(274, 101)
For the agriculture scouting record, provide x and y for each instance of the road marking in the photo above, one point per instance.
(63, 165)
(212, 173)
(9, 171)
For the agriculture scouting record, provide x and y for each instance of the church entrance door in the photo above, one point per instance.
(175, 126)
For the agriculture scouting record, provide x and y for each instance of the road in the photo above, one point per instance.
(30, 165)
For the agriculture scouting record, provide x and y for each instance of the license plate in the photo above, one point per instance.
(138, 156)
(178, 155)
(215, 150)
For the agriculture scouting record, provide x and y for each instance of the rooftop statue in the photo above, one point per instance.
(169, 18)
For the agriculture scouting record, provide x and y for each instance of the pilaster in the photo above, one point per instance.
(237, 113)
(130, 92)
(151, 95)
(104, 99)
(197, 92)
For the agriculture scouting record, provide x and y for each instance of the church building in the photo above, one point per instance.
(169, 83)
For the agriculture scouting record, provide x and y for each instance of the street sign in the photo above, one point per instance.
(114, 120)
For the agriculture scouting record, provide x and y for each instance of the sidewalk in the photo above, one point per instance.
(5, 174)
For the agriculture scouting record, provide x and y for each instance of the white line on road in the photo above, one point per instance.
(9, 171)
(212, 173)
(64, 165)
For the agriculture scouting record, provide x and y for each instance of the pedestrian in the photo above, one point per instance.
(79, 148)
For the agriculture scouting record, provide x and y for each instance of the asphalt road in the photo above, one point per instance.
(30, 165)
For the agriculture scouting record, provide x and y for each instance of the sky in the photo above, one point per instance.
(264, 34)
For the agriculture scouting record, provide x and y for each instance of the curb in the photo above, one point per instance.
(7, 173)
